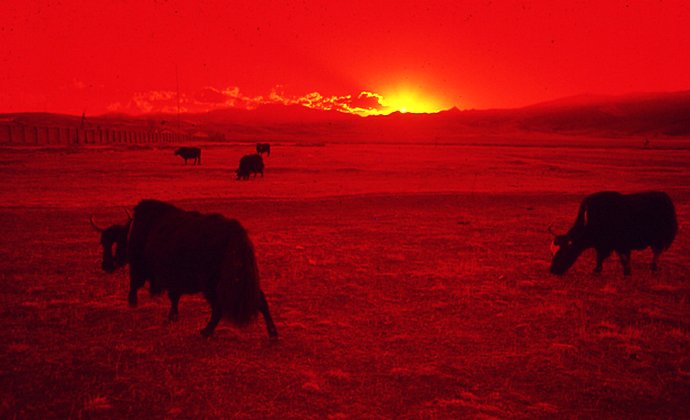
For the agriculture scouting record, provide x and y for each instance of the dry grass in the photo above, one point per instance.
(407, 304)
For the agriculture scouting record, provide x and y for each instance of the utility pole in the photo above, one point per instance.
(177, 81)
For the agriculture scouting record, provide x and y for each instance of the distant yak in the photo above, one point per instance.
(250, 164)
(184, 252)
(189, 153)
(609, 221)
(262, 148)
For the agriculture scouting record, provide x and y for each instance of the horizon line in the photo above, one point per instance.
(577, 99)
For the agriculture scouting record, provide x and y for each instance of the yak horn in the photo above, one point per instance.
(95, 226)
(551, 230)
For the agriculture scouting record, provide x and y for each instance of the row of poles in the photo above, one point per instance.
(33, 135)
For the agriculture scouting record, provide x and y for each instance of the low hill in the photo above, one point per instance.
(649, 114)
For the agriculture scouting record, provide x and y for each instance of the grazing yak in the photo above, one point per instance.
(250, 164)
(262, 148)
(113, 236)
(184, 252)
(609, 221)
(189, 153)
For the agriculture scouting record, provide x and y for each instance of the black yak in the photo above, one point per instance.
(609, 221)
(189, 153)
(113, 236)
(262, 148)
(184, 252)
(250, 164)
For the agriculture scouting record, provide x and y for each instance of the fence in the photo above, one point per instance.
(22, 134)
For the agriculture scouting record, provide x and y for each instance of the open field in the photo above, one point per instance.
(405, 281)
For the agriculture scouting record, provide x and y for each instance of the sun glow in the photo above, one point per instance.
(408, 101)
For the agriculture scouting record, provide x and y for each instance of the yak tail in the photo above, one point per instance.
(238, 290)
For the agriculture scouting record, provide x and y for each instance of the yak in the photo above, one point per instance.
(185, 252)
(610, 221)
(250, 164)
(262, 148)
(189, 153)
(114, 236)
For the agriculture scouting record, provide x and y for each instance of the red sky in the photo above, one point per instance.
(77, 56)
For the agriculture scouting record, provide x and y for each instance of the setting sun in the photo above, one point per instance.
(407, 100)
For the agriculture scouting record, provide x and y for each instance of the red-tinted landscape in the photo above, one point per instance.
(420, 154)
(404, 279)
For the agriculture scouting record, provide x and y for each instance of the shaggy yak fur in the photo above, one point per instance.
(250, 164)
(185, 252)
(609, 221)
(189, 153)
(262, 148)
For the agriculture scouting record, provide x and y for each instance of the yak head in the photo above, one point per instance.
(114, 243)
(565, 249)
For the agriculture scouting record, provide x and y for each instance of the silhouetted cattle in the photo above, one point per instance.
(610, 221)
(250, 164)
(184, 252)
(262, 148)
(189, 153)
(113, 236)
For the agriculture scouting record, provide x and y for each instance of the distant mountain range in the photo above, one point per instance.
(644, 114)
(636, 114)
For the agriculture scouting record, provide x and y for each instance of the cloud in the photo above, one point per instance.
(364, 103)
(368, 102)
(211, 98)
(210, 95)
(156, 101)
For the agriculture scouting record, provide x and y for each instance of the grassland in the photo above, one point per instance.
(405, 280)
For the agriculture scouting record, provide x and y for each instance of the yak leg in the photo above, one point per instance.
(602, 254)
(135, 282)
(216, 315)
(625, 262)
(132, 298)
(655, 259)
(174, 300)
(263, 307)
